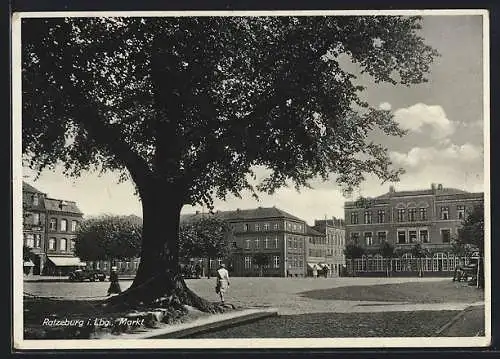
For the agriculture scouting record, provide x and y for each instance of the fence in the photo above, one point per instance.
(440, 263)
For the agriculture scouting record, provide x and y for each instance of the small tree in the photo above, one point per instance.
(472, 233)
(207, 237)
(260, 260)
(108, 238)
(419, 252)
(353, 251)
(386, 250)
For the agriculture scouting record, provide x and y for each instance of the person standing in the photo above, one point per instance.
(222, 281)
(315, 271)
(114, 287)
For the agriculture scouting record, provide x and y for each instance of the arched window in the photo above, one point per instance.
(440, 262)
(52, 244)
(378, 262)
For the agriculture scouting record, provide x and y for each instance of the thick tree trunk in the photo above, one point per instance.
(158, 279)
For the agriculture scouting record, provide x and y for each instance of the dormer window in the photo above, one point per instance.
(35, 200)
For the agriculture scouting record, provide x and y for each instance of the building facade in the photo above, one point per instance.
(271, 231)
(330, 249)
(429, 217)
(49, 230)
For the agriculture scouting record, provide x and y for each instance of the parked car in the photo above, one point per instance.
(87, 274)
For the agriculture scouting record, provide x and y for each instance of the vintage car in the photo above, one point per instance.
(80, 275)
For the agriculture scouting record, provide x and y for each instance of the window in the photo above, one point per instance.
(247, 243)
(368, 217)
(368, 238)
(73, 226)
(444, 213)
(35, 200)
(71, 245)
(38, 240)
(257, 227)
(423, 214)
(412, 235)
(63, 244)
(424, 236)
(355, 237)
(53, 224)
(64, 225)
(30, 242)
(245, 227)
(461, 212)
(276, 226)
(412, 214)
(445, 235)
(275, 242)
(381, 216)
(276, 261)
(266, 242)
(294, 227)
(354, 217)
(401, 237)
(266, 226)
(382, 237)
(401, 215)
(52, 243)
(36, 218)
(257, 243)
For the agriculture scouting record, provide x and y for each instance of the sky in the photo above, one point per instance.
(444, 144)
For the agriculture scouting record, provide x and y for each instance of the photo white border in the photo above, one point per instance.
(247, 343)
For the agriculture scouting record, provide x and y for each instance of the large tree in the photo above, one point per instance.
(187, 107)
(108, 238)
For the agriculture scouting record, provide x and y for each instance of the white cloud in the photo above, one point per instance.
(416, 117)
(418, 156)
(386, 106)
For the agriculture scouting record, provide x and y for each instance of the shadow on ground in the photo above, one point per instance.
(341, 325)
(413, 292)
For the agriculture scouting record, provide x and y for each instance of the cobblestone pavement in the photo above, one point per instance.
(281, 293)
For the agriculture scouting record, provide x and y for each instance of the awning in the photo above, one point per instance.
(67, 261)
(325, 265)
(313, 265)
(29, 264)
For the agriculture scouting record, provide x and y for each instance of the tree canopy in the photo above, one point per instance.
(108, 238)
(472, 231)
(354, 251)
(197, 102)
(207, 237)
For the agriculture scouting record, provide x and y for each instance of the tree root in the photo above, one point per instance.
(164, 290)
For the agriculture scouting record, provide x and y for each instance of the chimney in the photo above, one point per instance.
(433, 186)
(197, 212)
(440, 186)
(391, 189)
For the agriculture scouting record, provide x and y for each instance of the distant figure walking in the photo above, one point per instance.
(222, 281)
(114, 287)
(315, 272)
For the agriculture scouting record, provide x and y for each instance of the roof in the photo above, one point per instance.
(59, 205)
(444, 191)
(257, 213)
(29, 188)
(242, 214)
(313, 232)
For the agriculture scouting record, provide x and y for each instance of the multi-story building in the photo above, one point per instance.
(34, 220)
(430, 217)
(49, 230)
(271, 231)
(331, 247)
